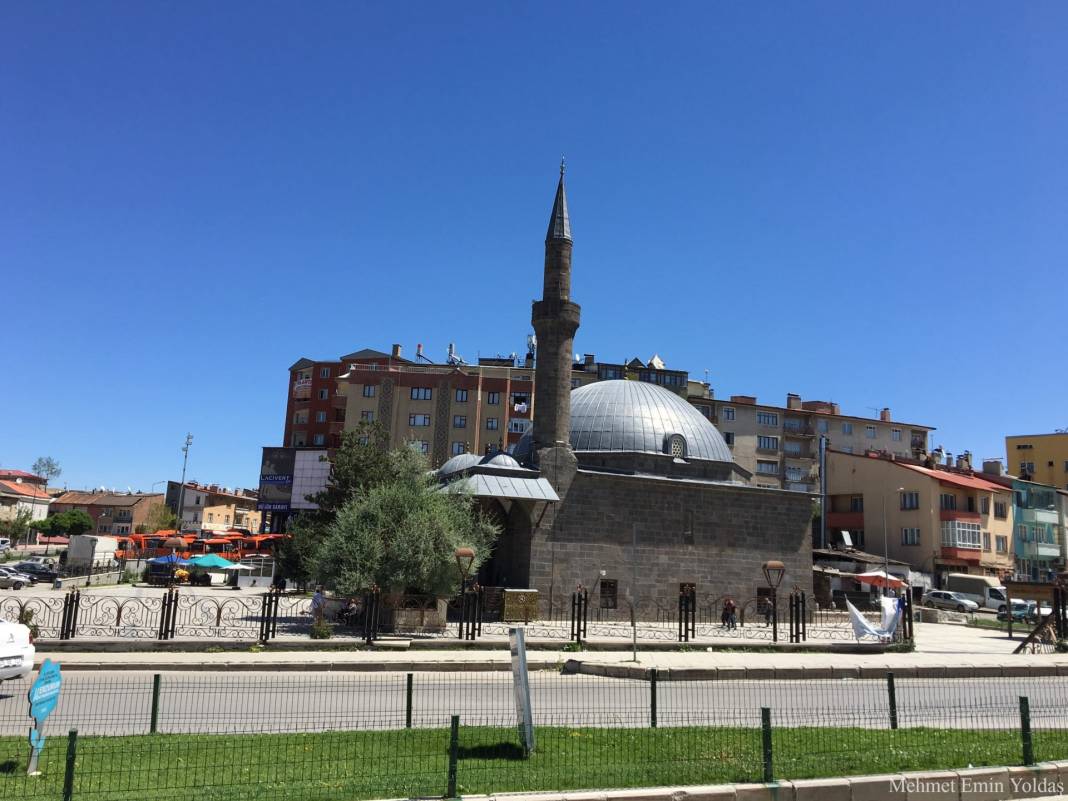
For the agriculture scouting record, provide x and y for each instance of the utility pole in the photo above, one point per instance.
(181, 489)
(823, 491)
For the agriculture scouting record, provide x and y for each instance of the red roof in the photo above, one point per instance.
(24, 489)
(6, 474)
(956, 479)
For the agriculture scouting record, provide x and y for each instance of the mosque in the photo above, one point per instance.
(622, 486)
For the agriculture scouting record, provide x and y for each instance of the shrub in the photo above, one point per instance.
(26, 619)
(321, 630)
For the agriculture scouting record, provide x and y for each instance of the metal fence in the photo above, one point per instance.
(362, 736)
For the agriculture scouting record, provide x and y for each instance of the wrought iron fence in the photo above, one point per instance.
(380, 735)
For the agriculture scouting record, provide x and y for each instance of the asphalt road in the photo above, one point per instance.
(120, 702)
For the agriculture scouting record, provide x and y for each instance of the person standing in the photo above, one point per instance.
(318, 604)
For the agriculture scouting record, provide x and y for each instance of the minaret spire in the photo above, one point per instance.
(556, 319)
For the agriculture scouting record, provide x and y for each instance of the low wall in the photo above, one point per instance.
(67, 582)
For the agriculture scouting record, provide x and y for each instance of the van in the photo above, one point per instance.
(986, 591)
(5, 544)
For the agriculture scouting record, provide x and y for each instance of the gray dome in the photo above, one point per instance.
(500, 459)
(458, 463)
(636, 417)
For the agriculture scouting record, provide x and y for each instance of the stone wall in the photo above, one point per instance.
(716, 536)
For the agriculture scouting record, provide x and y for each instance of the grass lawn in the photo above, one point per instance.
(367, 765)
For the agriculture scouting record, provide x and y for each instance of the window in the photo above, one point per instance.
(1000, 509)
(419, 419)
(575, 383)
(367, 417)
(227, 519)
(986, 540)
(420, 445)
(767, 443)
(492, 423)
(319, 439)
(728, 437)
(324, 394)
(521, 402)
(767, 418)
(910, 536)
(728, 413)
(320, 417)
(458, 448)
(895, 434)
(459, 421)
(822, 426)
(677, 446)
(856, 503)
(970, 503)
(1021, 532)
(196, 500)
(211, 517)
(984, 507)
(324, 372)
(947, 502)
(1002, 543)
(421, 393)
(300, 418)
(857, 537)
(870, 432)
(792, 448)
(1027, 467)
(519, 426)
(768, 468)
(493, 398)
(794, 474)
(960, 534)
(910, 500)
(847, 428)
(461, 396)
(368, 390)
(610, 373)
(609, 593)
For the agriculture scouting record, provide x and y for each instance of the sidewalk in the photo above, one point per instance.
(943, 651)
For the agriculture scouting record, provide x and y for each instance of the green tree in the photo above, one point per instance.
(361, 461)
(65, 524)
(18, 527)
(47, 468)
(401, 534)
(159, 518)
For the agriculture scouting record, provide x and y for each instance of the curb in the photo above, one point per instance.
(973, 784)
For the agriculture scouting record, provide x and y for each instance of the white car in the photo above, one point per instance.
(11, 579)
(16, 651)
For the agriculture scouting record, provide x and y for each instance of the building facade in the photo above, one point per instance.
(112, 513)
(939, 520)
(1042, 458)
(210, 507)
(20, 496)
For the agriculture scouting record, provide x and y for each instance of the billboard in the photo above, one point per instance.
(276, 479)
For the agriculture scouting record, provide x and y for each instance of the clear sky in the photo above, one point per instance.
(858, 202)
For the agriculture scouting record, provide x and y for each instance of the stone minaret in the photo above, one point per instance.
(555, 320)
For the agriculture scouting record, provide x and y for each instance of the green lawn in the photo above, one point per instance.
(366, 765)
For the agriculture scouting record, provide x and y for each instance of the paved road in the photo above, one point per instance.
(119, 702)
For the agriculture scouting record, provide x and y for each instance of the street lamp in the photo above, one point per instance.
(465, 557)
(774, 570)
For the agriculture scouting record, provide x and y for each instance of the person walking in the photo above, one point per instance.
(318, 604)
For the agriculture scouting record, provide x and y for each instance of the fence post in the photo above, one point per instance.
(72, 625)
(652, 697)
(68, 775)
(804, 617)
(155, 704)
(765, 726)
(408, 702)
(892, 695)
(454, 754)
(1025, 731)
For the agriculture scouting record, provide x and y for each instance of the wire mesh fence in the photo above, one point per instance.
(388, 735)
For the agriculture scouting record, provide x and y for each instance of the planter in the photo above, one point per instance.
(407, 614)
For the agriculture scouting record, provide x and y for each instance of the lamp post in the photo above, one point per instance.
(181, 491)
(774, 570)
(886, 559)
(465, 557)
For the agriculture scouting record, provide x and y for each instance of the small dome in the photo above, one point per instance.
(458, 464)
(637, 417)
(500, 459)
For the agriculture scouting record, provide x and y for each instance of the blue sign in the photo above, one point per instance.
(43, 695)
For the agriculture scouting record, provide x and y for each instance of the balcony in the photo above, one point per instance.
(846, 520)
(1039, 550)
(794, 428)
(962, 554)
(337, 427)
(958, 514)
(338, 401)
(789, 454)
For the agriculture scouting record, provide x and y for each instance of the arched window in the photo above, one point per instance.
(675, 445)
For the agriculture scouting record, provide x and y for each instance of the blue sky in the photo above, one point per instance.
(856, 202)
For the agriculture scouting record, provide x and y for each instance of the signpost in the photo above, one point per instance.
(521, 686)
(43, 697)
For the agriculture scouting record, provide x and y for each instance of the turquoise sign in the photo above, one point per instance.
(43, 696)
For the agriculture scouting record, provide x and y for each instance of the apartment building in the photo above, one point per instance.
(20, 496)
(210, 507)
(1041, 458)
(780, 444)
(112, 513)
(938, 519)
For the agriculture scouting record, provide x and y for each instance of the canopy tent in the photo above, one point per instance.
(879, 578)
(211, 560)
(238, 567)
(170, 559)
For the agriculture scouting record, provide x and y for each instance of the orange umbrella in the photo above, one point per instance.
(877, 578)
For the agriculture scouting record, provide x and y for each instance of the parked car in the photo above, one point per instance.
(5, 544)
(16, 651)
(943, 599)
(1022, 612)
(37, 572)
(42, 560)
(13, 580)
